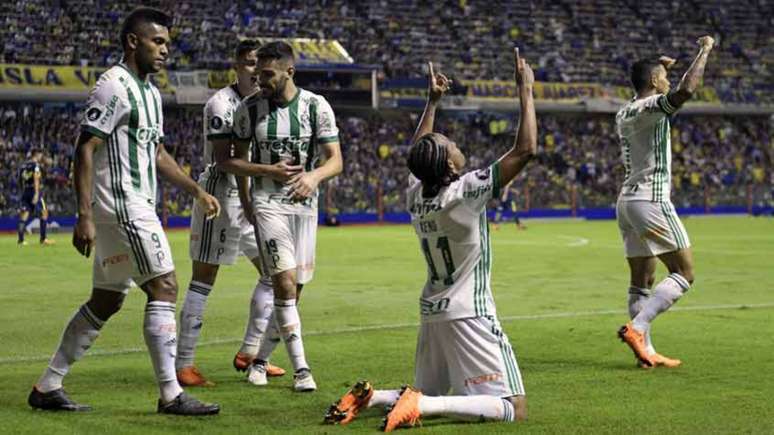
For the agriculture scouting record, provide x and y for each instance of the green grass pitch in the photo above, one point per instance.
(560, 288)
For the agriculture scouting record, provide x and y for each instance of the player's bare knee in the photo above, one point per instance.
(284, 285)
(519, 407)
(204, 273)
(105, 303)
(162, 288)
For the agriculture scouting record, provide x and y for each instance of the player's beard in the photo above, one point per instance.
(276, 94)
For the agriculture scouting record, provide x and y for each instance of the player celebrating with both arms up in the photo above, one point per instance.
(647, 219)
(461, 346)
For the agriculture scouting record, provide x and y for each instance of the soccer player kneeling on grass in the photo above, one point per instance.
(119, 151)
(647, 219)
(461, 346)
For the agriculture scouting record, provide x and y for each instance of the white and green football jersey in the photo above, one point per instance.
(290, 133)
(219, 124)
(454, 237)
(126, 112)
(646, 150)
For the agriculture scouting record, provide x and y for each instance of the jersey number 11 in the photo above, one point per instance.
(443, 245)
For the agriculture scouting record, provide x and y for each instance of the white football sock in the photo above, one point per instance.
(384, 398)
(468, 408)
(637, 298)
(289, 324)
(159, 331)
(666, 293)
(191, 322)
(270, 340)
(77, 338)
(261, 309)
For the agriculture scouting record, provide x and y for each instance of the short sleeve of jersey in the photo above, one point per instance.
(478, 187)
(104, 108)
(662, 102)
(327, 132)
(665, 105)
(218, 119)
(161, 115)
(241, 123)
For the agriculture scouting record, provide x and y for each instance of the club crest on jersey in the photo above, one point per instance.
(216, 123)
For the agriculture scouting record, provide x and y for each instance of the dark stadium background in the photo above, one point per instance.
(51, 53)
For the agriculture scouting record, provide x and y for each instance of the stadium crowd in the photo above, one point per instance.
(570, 41)
(722, 155)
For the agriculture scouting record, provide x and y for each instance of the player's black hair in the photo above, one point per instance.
(276, 50)
(428, 160)
(140, 16)
(245, 46)
(641, 72)
(35, 150)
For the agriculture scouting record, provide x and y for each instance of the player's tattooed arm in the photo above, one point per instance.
(169, 168)
(692, 78)
(437, 85)
(525, 145)
(239, 166)
(304, 184)
(84, 233)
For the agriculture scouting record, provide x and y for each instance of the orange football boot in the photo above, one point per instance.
(406, 410)
(190, 376)
(346, 409)
(636, 341)
(242, 362)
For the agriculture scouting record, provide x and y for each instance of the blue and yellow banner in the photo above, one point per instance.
(60, 78)
(545, 91)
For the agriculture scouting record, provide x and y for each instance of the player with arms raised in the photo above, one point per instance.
(117, 156)
(461, 346)
(288, 142)
(647, 219)
(218, 241)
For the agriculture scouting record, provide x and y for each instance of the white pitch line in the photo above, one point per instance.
(542, 316)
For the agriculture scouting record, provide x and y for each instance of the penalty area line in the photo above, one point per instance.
(356, 329)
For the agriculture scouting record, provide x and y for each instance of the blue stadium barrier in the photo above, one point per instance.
(8, 224)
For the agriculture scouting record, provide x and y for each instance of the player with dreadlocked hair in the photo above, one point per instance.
(462, 349)
(429, 161)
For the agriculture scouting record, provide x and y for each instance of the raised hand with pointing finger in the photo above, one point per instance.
(438, 84)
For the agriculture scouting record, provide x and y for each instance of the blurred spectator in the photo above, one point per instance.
(567, 41)
(722, 155)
